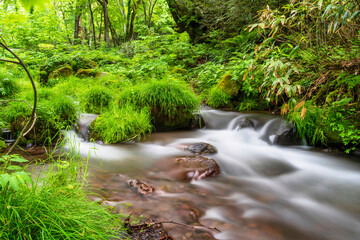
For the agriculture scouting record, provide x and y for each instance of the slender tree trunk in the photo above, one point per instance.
(130, 29)
(78, 13)
(104, 6)
(92, 24)
(100, 27)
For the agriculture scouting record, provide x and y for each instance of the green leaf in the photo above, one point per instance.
(18, 158)
(14, 182)
(4, 179)
(14, 168)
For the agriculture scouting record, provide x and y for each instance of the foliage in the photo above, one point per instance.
(122, 124)
(8, 86)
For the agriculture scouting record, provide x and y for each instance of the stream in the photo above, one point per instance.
(264, 191)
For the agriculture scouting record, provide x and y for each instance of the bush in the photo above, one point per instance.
(96, 99)
(121, 125)
(171, 102)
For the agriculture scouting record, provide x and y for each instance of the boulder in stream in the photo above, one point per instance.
(286, 135)
(201, 148)
(142, 187)
(196, 167)
(245, 123)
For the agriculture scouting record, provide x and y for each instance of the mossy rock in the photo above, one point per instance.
(75, 63)
(179, 70)
(229, 86)
(63, 71)
(86, 73)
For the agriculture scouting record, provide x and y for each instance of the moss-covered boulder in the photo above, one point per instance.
(229, 86)
(63, 71)
(178, 70)
(75, 63)
(224, 92)
(87, 73)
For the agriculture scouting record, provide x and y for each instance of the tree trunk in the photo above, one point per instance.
(78, 13)
(92, 24)
(104, 6)
(132, 10)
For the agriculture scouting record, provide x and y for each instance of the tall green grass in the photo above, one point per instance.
(170, 101)
(121, 124)
(96, 99)
(52, 205)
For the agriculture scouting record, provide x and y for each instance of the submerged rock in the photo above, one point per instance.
(286, 135)
(142, 187)
(201, 148)
(196, 167)
(245, 123)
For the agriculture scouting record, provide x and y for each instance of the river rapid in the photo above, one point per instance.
(264, 191)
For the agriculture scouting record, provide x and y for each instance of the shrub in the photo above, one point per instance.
(171, 102)
(96, 99)
(121, 125)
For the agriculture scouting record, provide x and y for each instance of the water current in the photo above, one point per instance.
(264, 191)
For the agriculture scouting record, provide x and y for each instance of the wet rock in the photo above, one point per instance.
(142, 187)
(286, 135)
(201, 148)
(196, 167)
(245, 123)
(197, 122)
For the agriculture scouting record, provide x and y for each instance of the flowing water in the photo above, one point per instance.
(264, 191)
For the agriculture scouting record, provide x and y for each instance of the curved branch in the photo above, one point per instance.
(32, 119)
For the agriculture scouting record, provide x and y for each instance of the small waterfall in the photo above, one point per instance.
(83, 124)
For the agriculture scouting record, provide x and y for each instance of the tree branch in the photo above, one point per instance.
(32, 119)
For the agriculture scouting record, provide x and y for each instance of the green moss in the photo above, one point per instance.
(179, 70)
(63, 71)
(75, 62)
(85, 73)
(228, 85)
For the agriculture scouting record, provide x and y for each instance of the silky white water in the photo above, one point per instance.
(264, 191)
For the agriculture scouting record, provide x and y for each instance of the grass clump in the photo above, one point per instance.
(53, 206)
(121, 125)
(96, 99)
(171, 102)
(218, 98)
